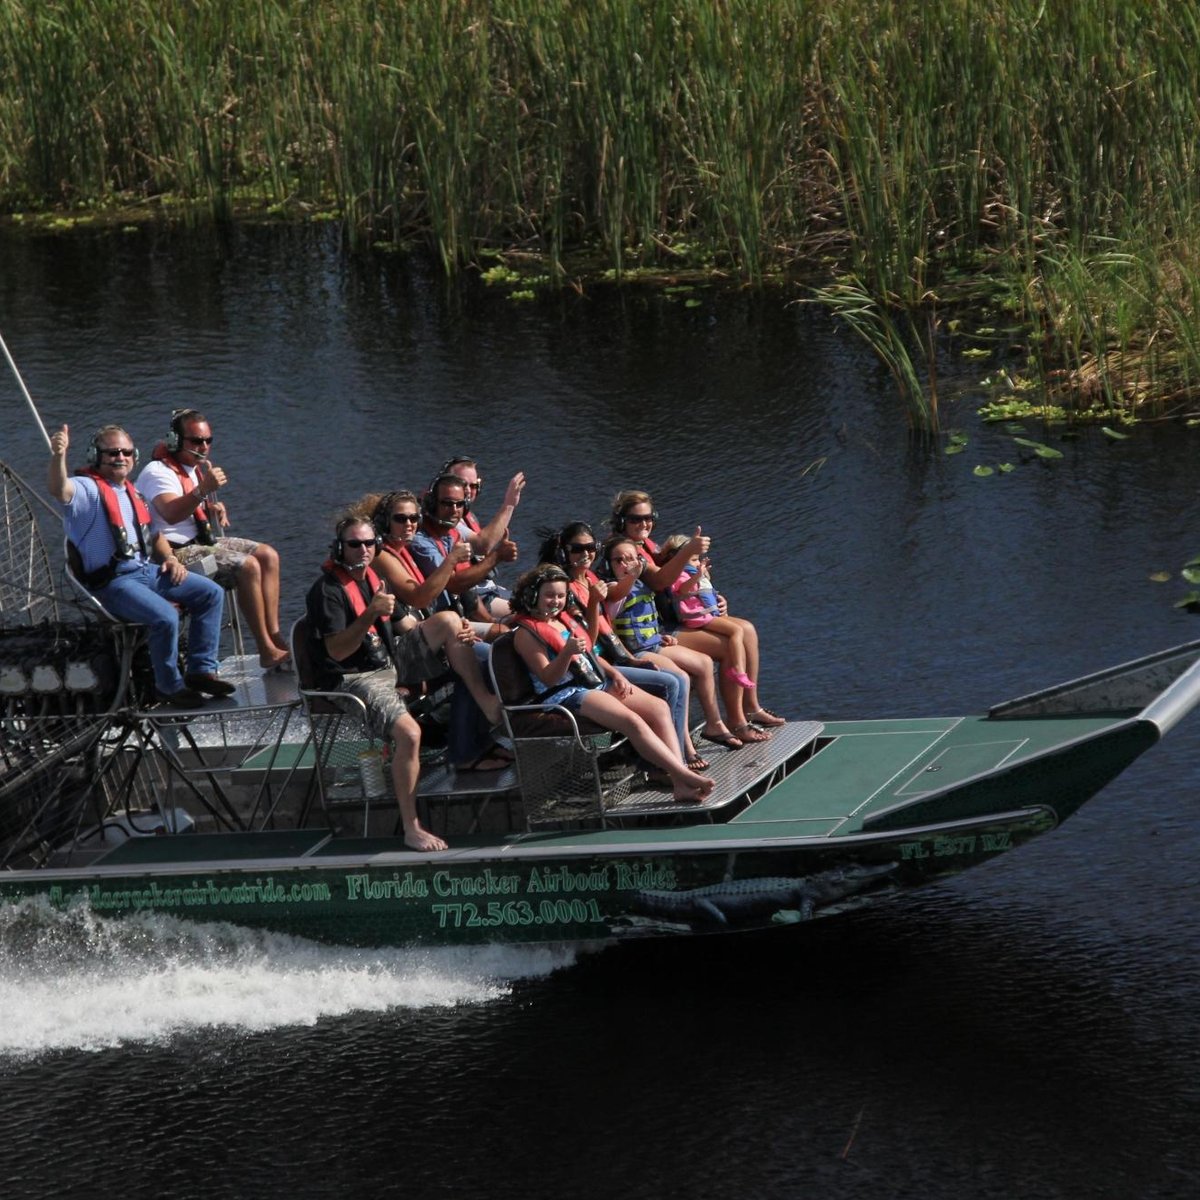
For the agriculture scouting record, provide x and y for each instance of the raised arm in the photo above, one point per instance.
(176, 506)
(58, 479)
(497, 527)
(661, 578)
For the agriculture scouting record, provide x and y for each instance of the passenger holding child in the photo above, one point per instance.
(574, 548)
(558, 652)
(634, 517)
(630, 606)
(705, 625)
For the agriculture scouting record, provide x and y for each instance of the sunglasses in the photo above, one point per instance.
(119, 452)
(199, 441)
(582, 547)
(398, 518)
(358, 543)
(452, 503)
(640, 518)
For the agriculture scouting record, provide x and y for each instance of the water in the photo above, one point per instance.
(1028, 1030)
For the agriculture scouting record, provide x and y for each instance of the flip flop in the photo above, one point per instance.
(749, 733)
(485, 762)
(728, 740)
(764, 716)
(698, 763)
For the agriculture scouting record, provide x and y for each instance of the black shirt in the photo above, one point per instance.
(329, 612)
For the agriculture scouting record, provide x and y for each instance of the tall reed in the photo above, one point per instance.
(901, 142)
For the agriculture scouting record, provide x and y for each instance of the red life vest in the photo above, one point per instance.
(116, 520)
(579, 589)
(589, 673)
(204, 528)
(405, 555)
(354, 596)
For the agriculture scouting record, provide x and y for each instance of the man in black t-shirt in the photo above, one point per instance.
(349, 621)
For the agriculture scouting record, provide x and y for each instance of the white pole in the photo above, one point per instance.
(24, 390)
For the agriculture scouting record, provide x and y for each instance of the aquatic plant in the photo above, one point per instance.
(1038, 156)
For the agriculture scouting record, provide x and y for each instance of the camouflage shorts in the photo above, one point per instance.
(230, 553)
(377, 690)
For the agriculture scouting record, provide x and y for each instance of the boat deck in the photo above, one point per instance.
(809, 781)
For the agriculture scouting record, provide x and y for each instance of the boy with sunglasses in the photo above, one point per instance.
(132, 571)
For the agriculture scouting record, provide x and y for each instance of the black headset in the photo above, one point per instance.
(617, 520)
(560, 549)
(429, 501)
(546, 573)
(92, 457)
(174, 438)
(448, 469)
(337, 549)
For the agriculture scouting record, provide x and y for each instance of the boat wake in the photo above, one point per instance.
(70, 980)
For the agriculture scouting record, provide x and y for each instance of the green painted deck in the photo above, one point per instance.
(860, 768)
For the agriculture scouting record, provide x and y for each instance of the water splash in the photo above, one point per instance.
(72, 980)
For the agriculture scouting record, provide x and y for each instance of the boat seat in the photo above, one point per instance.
(341, 739)
(570, 769)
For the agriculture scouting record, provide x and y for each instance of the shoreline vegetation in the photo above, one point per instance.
(1020, 176)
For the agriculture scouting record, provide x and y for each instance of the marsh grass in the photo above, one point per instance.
(914, 146)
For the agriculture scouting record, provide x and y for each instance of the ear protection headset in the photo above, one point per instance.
(381, 516)
(429, 502)
(561, 555)
(174, 438)
(337, 549)
(459, 460)
(93, 451)
(546, 573)
(618, 515)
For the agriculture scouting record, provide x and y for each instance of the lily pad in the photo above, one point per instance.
(1161, 577)
(1112, 433)
(1191, 574)
(983, 472)
(1005, 468)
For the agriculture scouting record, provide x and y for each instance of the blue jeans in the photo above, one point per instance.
(668, 686)
(469, 732)
(141, 593)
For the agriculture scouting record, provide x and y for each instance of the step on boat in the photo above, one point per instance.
(266, 809)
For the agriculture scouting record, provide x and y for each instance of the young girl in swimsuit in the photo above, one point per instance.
(630, 606)
(558, 653)
(698, 607)
(732, 641)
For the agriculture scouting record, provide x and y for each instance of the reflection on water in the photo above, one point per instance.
(1027, 1031)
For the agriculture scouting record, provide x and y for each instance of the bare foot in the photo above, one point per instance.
(272, 658)
(418, 838)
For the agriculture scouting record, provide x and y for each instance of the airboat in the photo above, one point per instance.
(266, 809)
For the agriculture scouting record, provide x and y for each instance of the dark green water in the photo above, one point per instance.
(1028, 1031)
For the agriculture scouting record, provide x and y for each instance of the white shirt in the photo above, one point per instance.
(157, 479)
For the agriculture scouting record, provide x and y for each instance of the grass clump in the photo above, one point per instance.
(908, 156)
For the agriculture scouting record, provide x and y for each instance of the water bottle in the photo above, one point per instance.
(370, 773)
